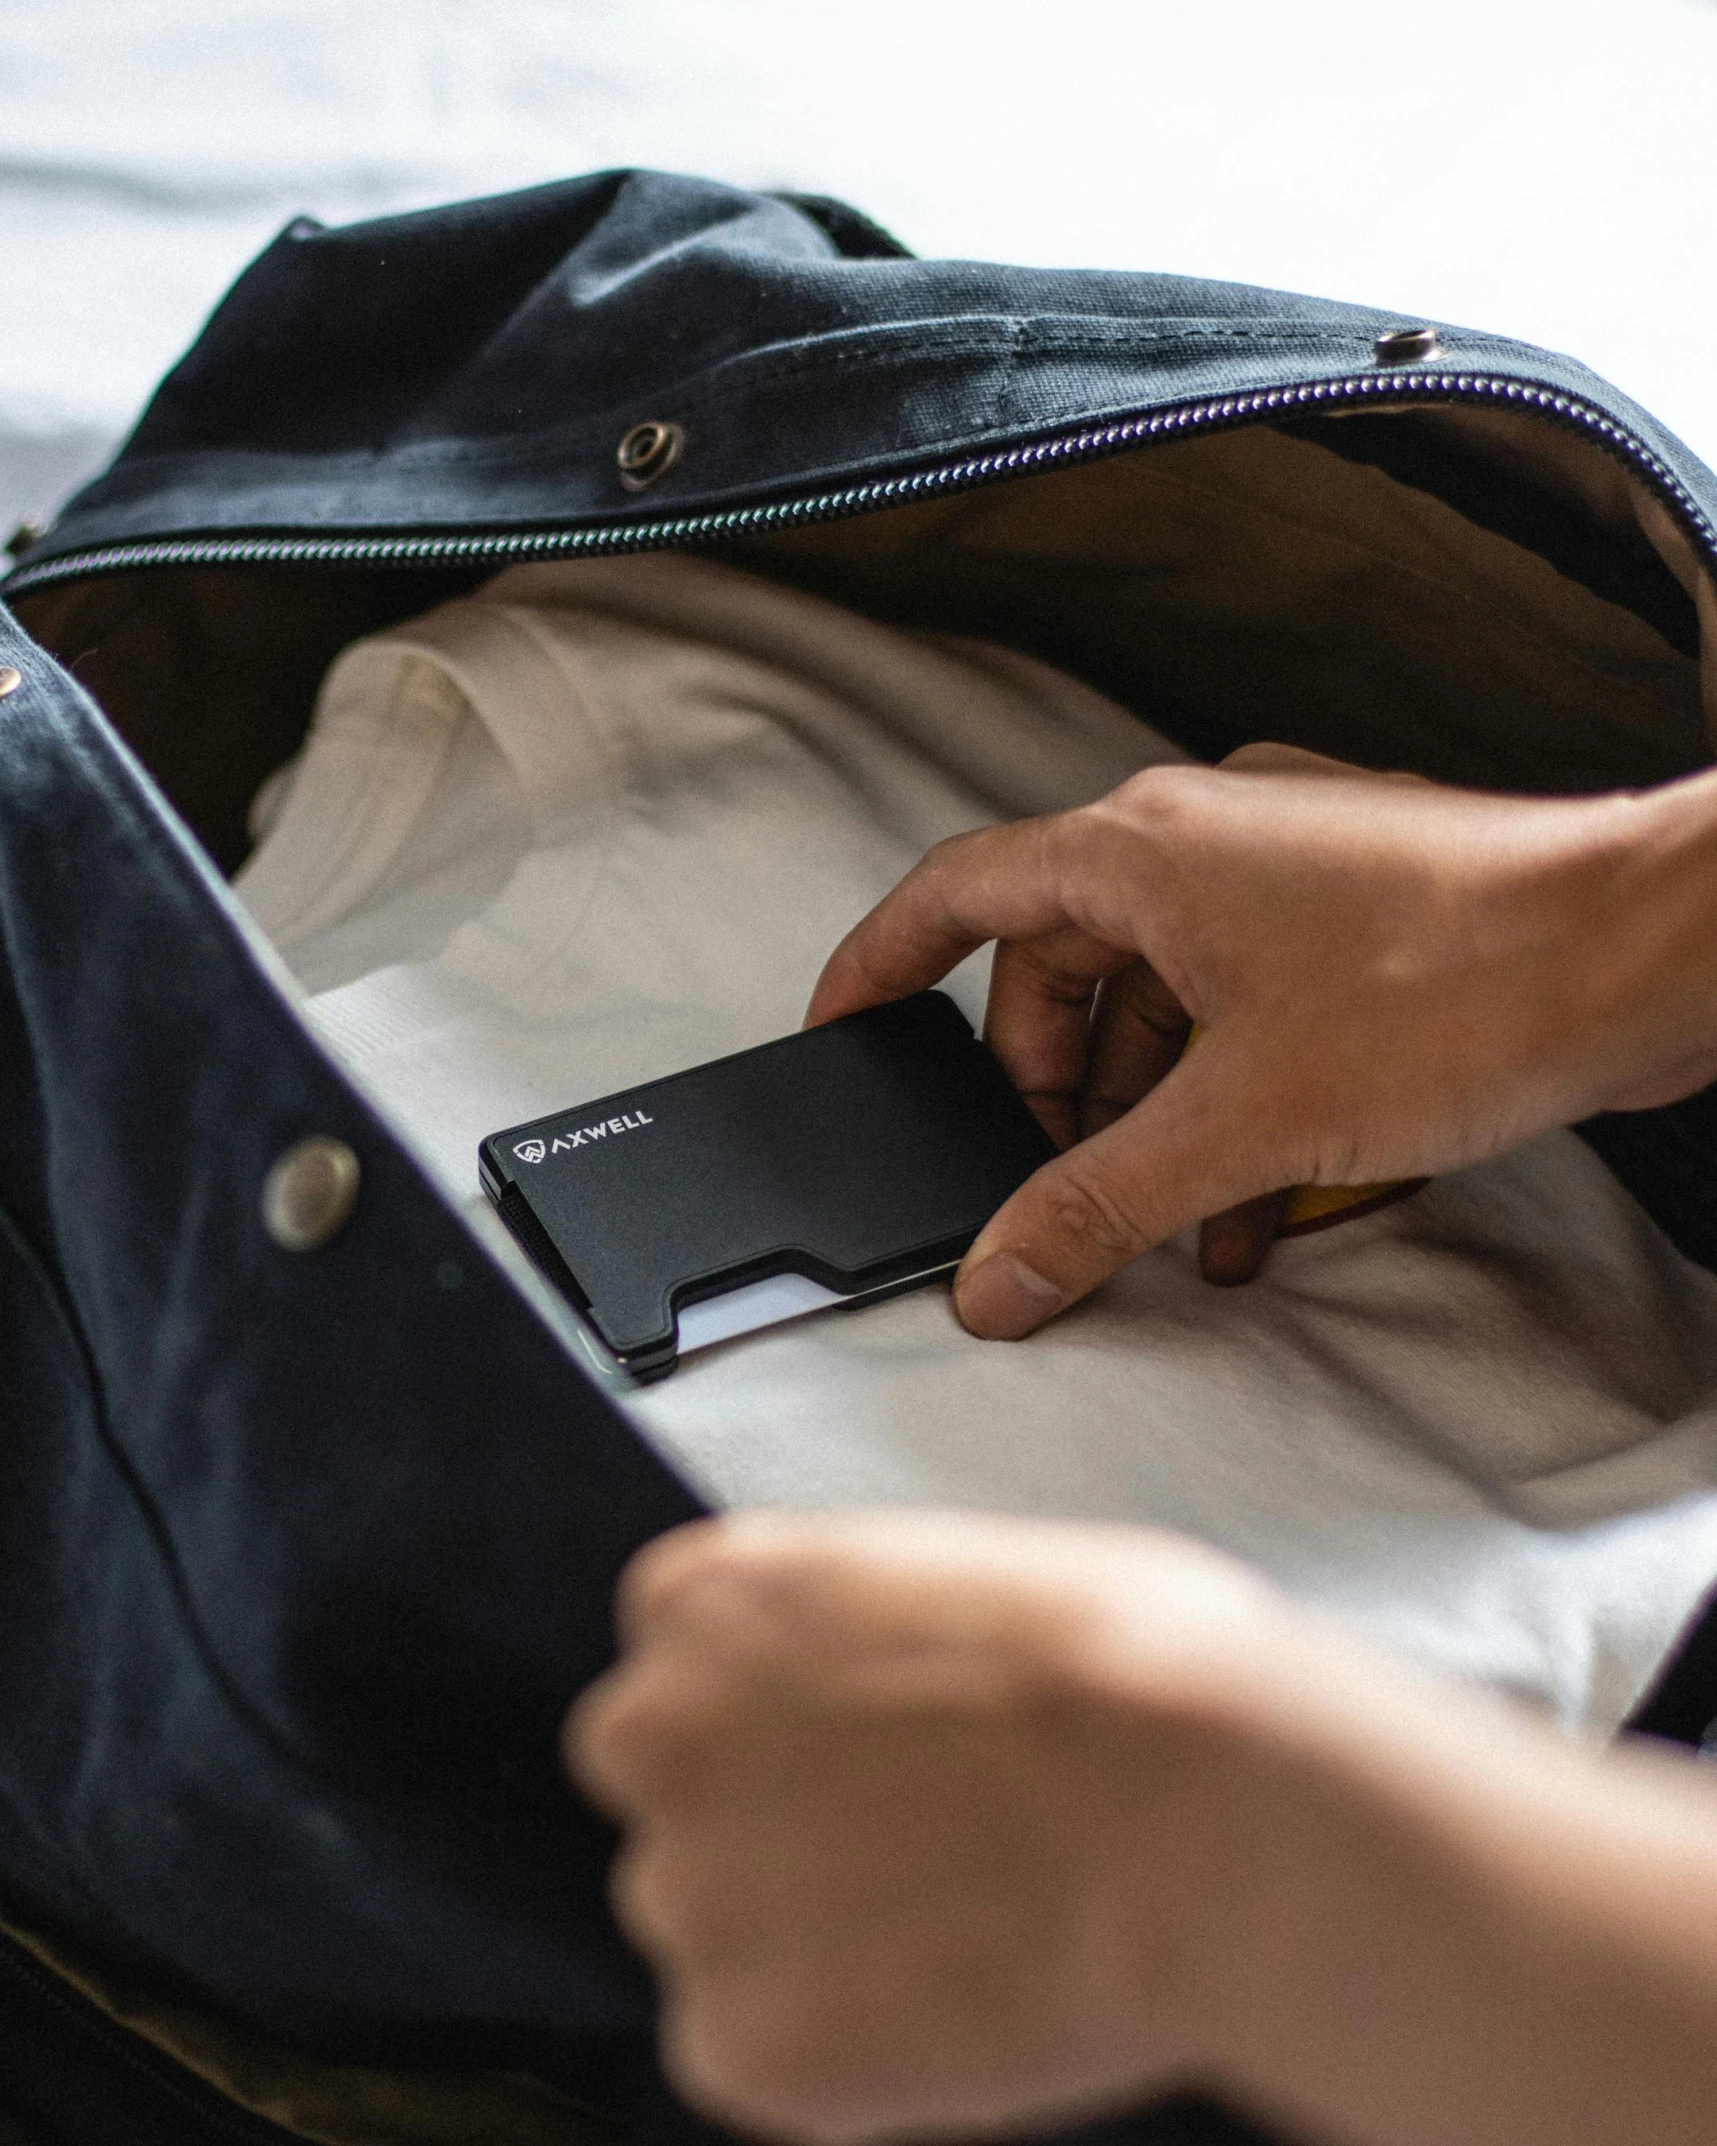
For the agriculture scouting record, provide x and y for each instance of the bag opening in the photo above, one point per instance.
(1479, 597)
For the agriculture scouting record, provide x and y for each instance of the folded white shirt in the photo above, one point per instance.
(606, 819)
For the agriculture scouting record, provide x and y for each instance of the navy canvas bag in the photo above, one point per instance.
(304, 1549)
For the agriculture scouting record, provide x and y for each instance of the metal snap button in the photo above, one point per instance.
(310, 1192)
(10, 680)
(1409, 346)
(647, 452)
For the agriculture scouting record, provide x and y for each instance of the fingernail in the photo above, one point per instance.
(1002, 1299)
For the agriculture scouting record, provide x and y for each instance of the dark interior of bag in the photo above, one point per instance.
(1471, 597)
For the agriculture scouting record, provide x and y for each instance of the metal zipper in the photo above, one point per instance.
(961, 474)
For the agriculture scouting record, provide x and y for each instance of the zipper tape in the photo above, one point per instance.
(1066, 448)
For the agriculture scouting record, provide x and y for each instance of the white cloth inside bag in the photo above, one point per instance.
(605, 819)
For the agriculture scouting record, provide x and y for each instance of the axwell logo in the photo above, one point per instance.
(581, 1136)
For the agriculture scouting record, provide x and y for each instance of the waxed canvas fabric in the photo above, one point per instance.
(473, 368)
(303, 1555)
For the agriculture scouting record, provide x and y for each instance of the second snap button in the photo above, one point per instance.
(1409, 346)
(647, 452)
(310, 1192)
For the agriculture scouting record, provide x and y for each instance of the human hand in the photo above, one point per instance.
(1391, 978)
(945, 1826)
(933, 1820)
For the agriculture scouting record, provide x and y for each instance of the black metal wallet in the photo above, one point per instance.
(830, 1167)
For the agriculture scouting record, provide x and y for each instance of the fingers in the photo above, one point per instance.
(1116, 925)
(1266, 759)
(657, 1582)
(938, 914)
(1178, 1156)
(725, 1592)
(1138, 1036)
(1006, 883)
(1024, 882)
(1232, 1246)
(606, 1739)
(873, 1870)
(1039, 1023)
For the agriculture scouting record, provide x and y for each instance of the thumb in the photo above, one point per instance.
(1176, 1157)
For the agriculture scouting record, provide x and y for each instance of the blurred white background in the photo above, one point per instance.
(1542, 167)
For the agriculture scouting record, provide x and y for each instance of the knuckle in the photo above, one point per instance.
(871, 960)
(636, 1742)
(659, 1574)
(1083, 1206)
(712, 2064)
(602, 1749)
(636, 1895)
(1157, 799)
(706, 1580)
(1141, 996)
(1261, 756)
(753, 2057)
(666, 1917)
(594, 1757)
(946, 852)
(1055, 969)
(945, 866)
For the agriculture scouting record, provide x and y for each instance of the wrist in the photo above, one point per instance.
(1297, 1812)
(1463, 1931)
(1236, 1762)
(1341, 1830)
(1646, 919)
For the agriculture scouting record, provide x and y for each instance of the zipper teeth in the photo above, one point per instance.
(1083, 445)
